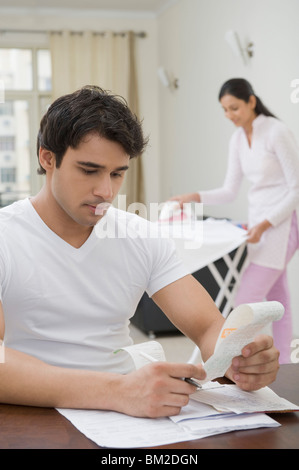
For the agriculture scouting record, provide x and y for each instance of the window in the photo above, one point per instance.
(26, 77)
(16, 69)
(8, 175)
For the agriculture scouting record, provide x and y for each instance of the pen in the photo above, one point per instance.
(189, 381)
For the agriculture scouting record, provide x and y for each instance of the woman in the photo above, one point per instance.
(264, 151)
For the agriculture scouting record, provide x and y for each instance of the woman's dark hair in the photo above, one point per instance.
(89, 110)
(241, 89)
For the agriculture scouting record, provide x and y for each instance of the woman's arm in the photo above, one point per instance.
(255, 233)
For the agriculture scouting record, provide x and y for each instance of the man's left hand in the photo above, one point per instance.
(257, 366)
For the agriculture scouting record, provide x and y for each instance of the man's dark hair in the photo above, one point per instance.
(89, 110)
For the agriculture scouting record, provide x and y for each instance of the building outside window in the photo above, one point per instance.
(25, 75)
(8, 175)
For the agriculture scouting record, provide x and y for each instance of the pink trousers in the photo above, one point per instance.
(259, 283)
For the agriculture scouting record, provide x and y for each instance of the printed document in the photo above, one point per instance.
(115, 430)
(240, 328)
(213, 409)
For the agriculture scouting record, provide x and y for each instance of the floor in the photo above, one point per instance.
(177, 347)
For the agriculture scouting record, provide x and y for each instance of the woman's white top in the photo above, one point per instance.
(271, 164)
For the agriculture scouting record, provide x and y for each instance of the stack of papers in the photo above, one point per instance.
(231, 399)
(216, 409)
(213, 409)
(115, 430)
(222, 408)
(201, 428)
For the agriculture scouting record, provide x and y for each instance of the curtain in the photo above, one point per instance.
(106, 60)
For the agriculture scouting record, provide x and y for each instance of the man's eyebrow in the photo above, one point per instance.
(96, 165)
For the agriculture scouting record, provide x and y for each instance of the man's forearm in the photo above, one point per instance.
(153, 391)
(25, 380)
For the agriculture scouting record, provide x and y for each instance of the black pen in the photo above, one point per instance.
(189, 381)
(193, 382)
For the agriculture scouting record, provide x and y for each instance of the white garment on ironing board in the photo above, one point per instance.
(271, 165)
(68, 306)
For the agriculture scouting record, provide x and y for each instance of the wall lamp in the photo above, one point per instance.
(234, 42)
(166, 80)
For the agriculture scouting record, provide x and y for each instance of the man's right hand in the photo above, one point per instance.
(158, 390)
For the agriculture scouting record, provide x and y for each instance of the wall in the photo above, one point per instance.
(194, 134)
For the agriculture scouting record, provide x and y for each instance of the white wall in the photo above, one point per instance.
(194, 134)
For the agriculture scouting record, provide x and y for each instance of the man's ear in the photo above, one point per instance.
(46, 159)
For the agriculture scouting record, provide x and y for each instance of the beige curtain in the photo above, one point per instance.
(106, 60)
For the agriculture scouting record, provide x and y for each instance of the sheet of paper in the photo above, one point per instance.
(152, 348)
(240, 328)
(230, 398)
(227, 423)
(115, 430)
(196, 410)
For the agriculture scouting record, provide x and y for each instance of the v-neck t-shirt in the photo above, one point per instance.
(70, 306)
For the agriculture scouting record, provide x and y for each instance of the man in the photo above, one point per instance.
(67, 294)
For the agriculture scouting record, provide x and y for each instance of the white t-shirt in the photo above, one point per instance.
(71, 306)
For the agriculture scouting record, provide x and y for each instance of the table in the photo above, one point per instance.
(24, 427)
